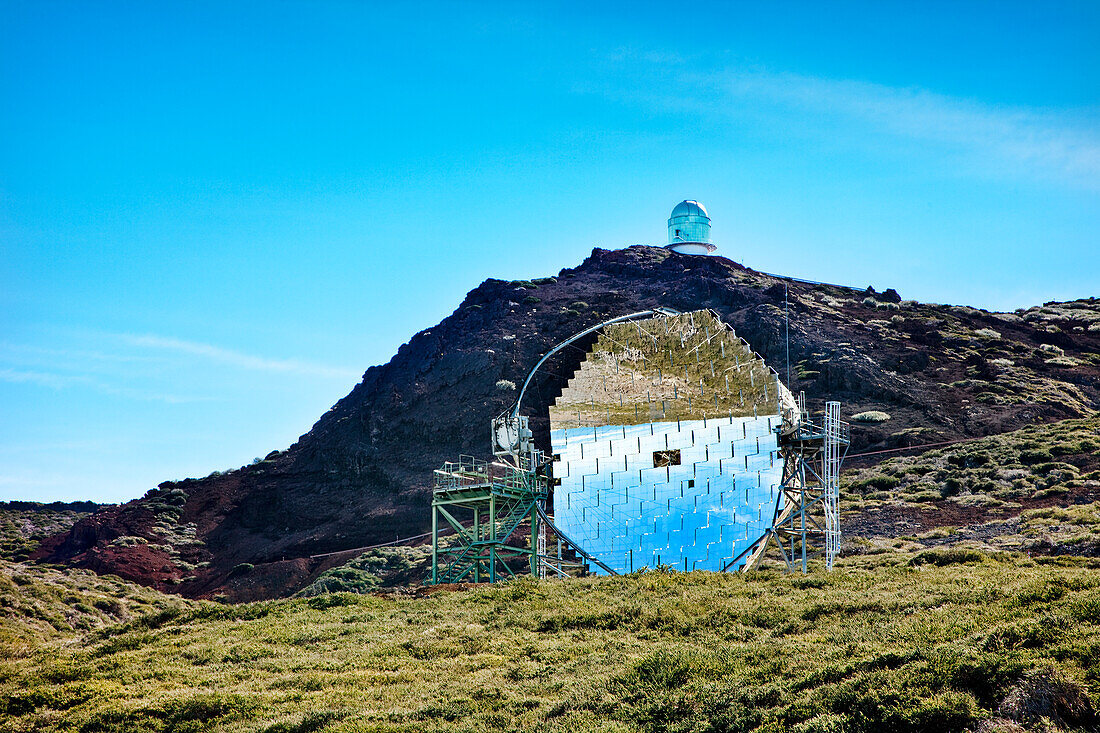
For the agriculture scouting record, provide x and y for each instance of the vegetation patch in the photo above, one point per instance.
(1026, 465)
(379, 568)
(871, 416)
(940, 640)
(24, 524)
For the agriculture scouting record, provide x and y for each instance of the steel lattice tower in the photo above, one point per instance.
(806, 520)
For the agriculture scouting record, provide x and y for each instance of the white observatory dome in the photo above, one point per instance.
(689, 229)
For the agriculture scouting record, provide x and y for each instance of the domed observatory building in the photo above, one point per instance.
(665, 445)
(689, 229)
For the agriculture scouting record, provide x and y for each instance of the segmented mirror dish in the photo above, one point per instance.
(665, 444)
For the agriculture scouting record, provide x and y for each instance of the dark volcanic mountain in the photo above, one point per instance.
(363, 474)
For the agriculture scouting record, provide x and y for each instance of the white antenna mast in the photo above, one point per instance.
(787, 329)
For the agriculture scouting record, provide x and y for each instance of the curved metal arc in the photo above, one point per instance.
(579, 550)
(531, 375)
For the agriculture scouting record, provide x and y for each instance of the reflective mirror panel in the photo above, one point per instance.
(685, 367)
(665, 445)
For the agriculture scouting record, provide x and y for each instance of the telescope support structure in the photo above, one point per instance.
(806, 519)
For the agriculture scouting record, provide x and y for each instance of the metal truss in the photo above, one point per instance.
(835, 436)
(806, 519)
(499, 498)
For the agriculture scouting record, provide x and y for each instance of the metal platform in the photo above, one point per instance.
(498, 498)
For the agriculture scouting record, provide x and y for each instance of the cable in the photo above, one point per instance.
(810, 282)
(915, 447)
(384, 544)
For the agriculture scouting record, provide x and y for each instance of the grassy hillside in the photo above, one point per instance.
(939, 640)
(40, 606)
(1036, 490)
(24, 524)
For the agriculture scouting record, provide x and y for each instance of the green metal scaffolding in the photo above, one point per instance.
(485, 504)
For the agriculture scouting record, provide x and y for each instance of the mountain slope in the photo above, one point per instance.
(362, 474)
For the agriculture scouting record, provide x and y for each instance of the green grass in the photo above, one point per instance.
(41, 605)
(24, 524)
(893, 642)
(1019, 465)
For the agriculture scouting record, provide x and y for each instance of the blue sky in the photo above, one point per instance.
(214, 216)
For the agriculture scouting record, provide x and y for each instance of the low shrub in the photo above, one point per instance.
(949, 556)
(660, 671)
(1035, 455)
(871, 416)
(883, 483)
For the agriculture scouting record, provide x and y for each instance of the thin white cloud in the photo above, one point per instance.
(1060, 145)
(112, 372)
(10, 350)
(1049, 142)
(55, 381)
(41, 379)
(49, 366)
(236, 358)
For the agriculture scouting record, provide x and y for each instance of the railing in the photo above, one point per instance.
(466, 471)
(811, 428)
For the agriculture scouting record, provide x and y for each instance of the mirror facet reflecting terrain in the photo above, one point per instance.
(665, 445)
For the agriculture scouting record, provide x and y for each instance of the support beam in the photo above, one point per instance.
(497, 499)
(806, 520)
